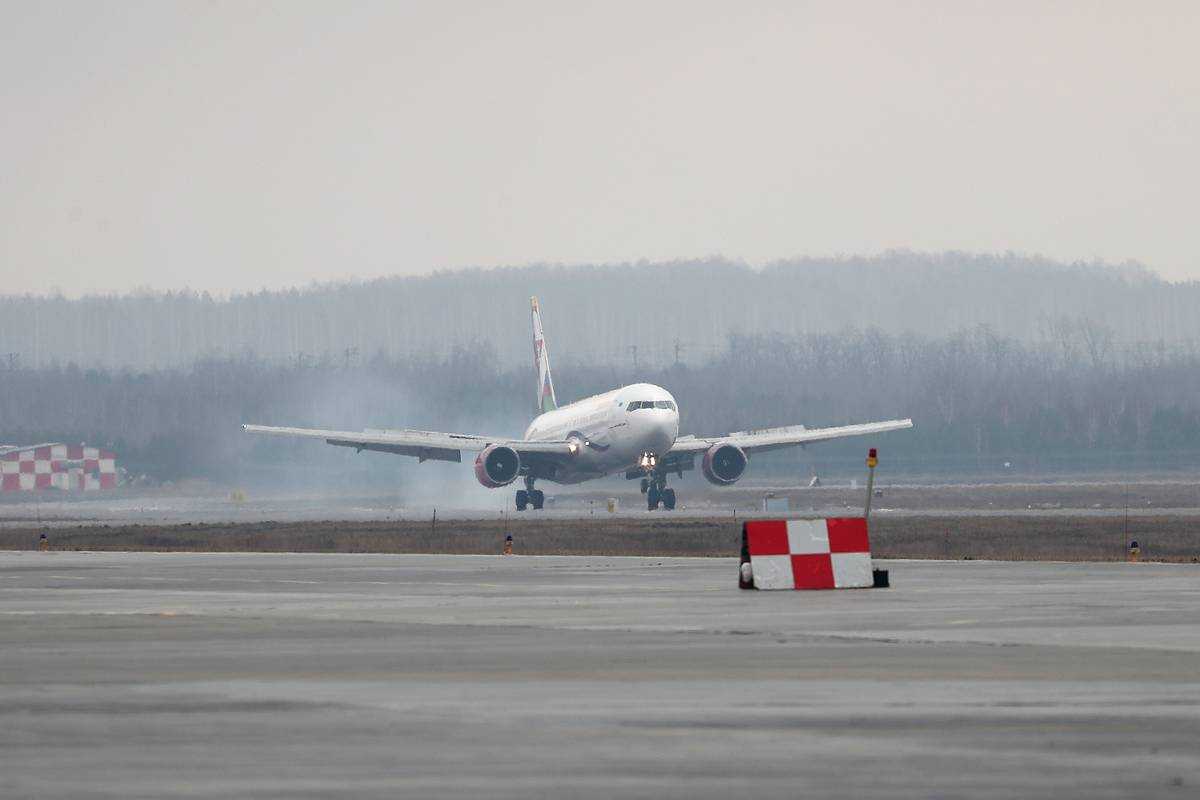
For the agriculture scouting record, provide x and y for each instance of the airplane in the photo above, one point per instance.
(634, 430)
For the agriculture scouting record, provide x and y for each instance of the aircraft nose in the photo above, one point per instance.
(666, 429)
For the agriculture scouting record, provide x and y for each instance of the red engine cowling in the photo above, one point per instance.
(723, 464)
(497, 466)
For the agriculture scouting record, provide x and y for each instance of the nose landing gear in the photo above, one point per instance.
(530, 497)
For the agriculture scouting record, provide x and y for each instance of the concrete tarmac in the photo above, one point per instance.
(272, 676)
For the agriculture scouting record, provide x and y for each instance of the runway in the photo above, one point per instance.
(1148, 496)
(272, 675)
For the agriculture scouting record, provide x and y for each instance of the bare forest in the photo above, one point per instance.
(996, 360)
(640, 314)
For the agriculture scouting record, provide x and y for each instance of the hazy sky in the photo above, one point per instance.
(236, 145)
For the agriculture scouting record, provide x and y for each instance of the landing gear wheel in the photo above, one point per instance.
(652, 498)
(668, 499)
(645, 485)
(522, 499)
(537, 499)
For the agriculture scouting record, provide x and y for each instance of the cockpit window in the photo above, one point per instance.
(638, 405)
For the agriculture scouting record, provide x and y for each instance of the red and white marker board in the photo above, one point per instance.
(58, 466)
(808, 553)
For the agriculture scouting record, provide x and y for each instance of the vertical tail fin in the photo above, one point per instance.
(541, 362)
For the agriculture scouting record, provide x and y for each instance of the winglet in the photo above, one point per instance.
(541, 362)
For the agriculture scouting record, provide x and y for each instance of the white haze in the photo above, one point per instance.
(230, 146)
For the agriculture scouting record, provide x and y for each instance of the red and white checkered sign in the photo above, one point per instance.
(809, 553)
(57, 466)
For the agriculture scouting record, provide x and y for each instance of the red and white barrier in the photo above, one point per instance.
(808, 553)
(57, 466)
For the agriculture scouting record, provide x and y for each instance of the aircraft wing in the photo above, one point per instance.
(759, 441)
(423, 445)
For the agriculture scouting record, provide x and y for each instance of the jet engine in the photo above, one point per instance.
(497, 466)
(723, 464)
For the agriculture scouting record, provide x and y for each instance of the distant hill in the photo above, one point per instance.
(600, 313)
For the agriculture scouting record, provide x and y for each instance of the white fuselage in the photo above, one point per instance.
(614, 430)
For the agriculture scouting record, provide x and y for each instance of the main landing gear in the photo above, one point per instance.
(656, 491)
(530, 496)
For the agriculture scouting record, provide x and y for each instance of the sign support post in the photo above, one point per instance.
(872, 461)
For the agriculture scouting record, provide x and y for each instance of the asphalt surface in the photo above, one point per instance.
(186, 675)
(55, 511)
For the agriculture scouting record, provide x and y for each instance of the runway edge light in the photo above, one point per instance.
(872, 462)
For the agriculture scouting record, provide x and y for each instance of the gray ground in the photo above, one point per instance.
(204, 503)
(184, 675)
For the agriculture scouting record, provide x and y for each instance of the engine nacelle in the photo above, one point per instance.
(723, 464)
(497, 466)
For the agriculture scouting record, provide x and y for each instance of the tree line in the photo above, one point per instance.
(642, 315)
(975, 395)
